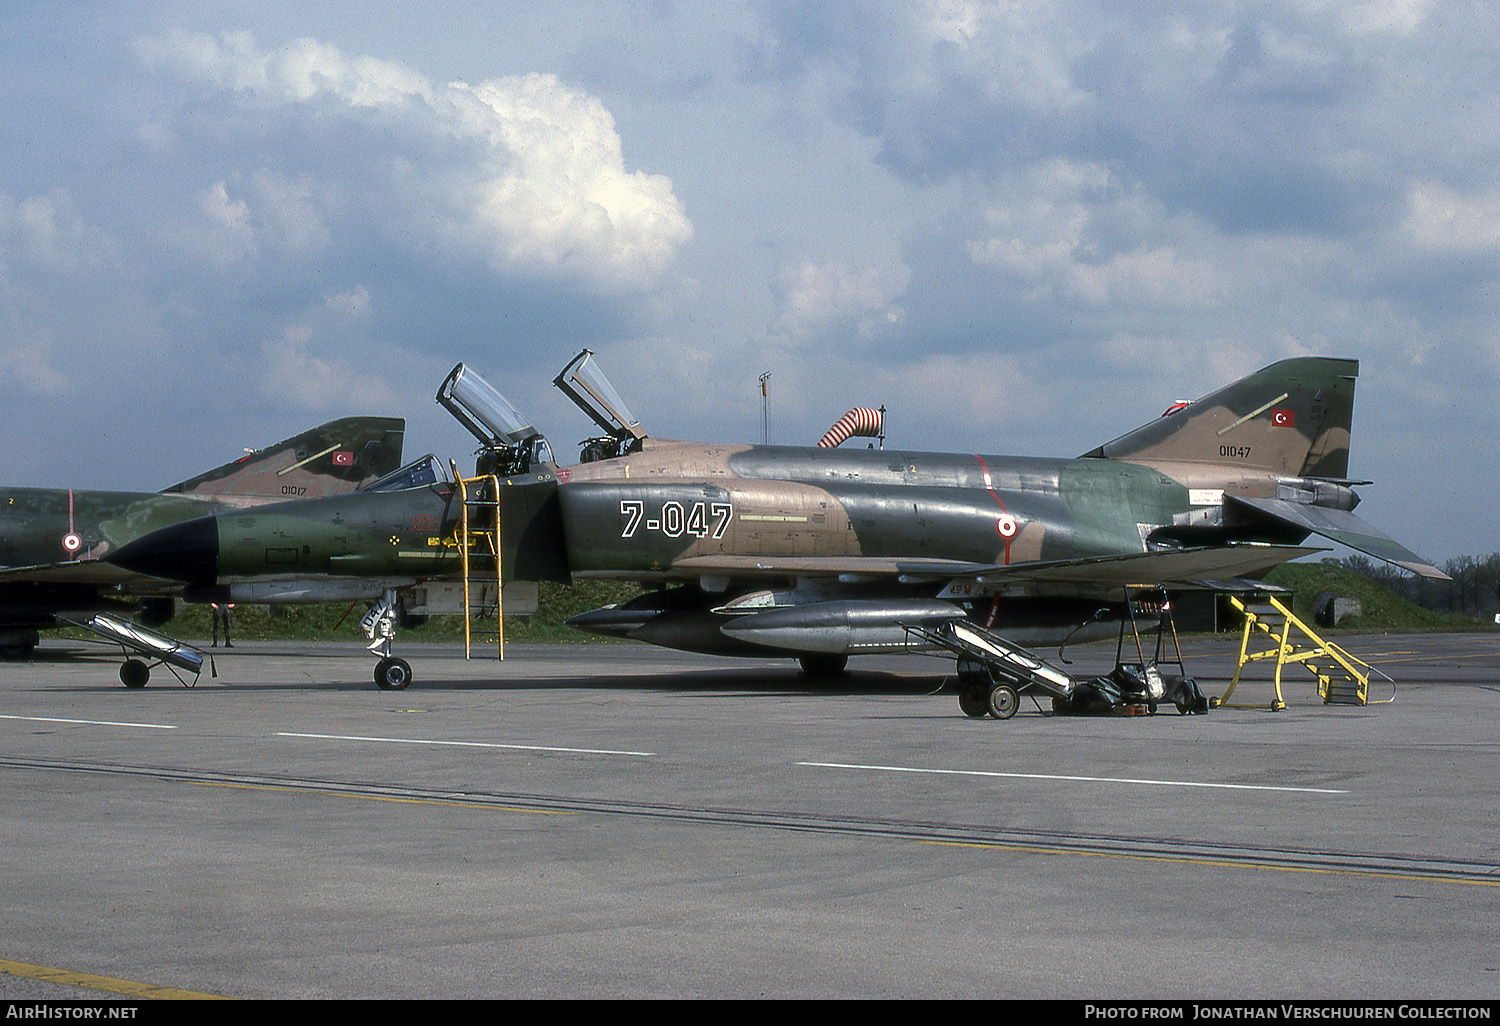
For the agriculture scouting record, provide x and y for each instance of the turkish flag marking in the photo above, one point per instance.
(343, 459)
(1281, 418)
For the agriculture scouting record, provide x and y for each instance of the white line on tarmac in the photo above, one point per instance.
(1088, 780)
(92, 723)
(463, 744)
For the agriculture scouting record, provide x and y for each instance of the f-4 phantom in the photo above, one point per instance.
(820, 553)
(53, 540)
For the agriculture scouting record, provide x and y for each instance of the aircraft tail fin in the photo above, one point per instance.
(1292, 418)
(333, 458)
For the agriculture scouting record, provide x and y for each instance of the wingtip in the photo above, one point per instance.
(1423, 570)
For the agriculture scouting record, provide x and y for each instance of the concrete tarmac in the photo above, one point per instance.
(614, 821)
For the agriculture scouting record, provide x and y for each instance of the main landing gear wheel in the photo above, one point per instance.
(1003, 701)
(19, 645)
(973, 699)
(134, 673)
(392, 674)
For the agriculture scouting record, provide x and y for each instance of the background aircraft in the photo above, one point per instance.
(820, 553)
(52, 539)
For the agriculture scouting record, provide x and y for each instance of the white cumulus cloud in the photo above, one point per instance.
(522, 171)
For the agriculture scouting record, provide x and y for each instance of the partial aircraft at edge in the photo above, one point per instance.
(52, 540)
(820, 553)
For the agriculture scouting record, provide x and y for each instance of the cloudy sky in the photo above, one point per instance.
(1022, 227)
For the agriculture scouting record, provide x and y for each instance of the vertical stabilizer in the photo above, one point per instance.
(337, 457)
(1291, 418)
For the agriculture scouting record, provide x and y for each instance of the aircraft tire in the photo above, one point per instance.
(18, 644)
(1003, 701)
(392, 674)
(134, 673)
(17, 651)
(973, 700)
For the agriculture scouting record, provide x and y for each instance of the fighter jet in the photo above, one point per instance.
(53, 540)
(820, 553)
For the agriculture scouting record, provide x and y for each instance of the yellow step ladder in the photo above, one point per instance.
(1343, 679)
(478, 537)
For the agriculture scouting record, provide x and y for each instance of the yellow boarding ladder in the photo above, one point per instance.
(1343, 679)
(479, 553)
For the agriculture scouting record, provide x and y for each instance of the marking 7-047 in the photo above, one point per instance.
(701, 519)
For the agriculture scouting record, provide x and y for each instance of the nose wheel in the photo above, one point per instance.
(392, 674)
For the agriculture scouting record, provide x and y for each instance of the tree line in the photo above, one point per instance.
(1474, 590)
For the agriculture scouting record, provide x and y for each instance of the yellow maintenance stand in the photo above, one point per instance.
(1343, 679)
(478, 537)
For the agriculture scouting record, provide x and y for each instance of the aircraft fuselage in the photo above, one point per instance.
(715, 516)
(825, 552)
(644, 513)
(48, 525)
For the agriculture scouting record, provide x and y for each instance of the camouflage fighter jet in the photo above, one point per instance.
(52, 540)
(822, 553)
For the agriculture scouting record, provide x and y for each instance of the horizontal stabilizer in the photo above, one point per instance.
(1343, 527)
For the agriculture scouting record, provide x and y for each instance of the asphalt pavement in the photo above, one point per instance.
(616, 821)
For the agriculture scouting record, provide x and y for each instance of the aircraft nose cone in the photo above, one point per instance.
(187, 552)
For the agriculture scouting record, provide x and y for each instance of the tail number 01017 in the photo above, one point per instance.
(701, 520)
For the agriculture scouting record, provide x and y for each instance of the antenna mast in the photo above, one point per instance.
(765, 410)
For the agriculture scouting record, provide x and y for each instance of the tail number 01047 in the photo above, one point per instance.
(701, 520)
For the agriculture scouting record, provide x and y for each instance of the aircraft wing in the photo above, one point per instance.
(1192, 566)
(1169, 566)
(1343, 527)
(80, 571)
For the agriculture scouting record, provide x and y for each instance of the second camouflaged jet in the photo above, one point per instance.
(820, 553)
(52, 540)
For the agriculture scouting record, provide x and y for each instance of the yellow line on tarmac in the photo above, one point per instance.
(387, 798)
(130, 988)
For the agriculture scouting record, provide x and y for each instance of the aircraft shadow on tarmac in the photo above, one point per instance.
(245, 669)
(788, 682)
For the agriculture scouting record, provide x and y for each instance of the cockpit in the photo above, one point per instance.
(583, 381)
(509, 445)
(425, 471)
